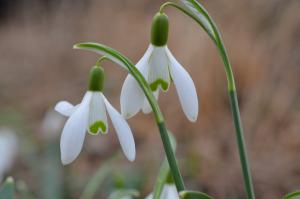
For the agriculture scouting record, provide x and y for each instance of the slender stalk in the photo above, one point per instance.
(236, 115)
(216, 38)
(241, 145)
(123, 61)
(163, 134)
(171, 157)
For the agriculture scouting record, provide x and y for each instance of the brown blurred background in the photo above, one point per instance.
(38, 68)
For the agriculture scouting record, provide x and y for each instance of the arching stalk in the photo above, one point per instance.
(196, 11)
(123, 61)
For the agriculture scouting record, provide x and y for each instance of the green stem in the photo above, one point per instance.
(171, 157)
(216, 38)
(123, 61)
(241, 144)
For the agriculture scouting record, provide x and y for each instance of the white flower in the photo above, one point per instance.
(90, 115)
(8, 150)
(159, 67)
(169, 192)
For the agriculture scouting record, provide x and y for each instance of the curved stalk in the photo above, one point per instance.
(196, 11)
(123, 61)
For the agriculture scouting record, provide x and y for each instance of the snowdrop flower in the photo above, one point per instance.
(8, 150)
(169, 192)
(160, 68)
(90, 115)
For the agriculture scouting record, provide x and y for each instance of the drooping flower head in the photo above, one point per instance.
(160, 68)
(90, 116)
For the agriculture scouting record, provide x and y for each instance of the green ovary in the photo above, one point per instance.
(163, 84)
(94, 128)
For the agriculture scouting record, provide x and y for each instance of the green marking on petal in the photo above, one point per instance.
(159, 82)
(96, 127)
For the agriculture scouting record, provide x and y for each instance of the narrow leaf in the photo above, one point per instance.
(194, 195)
(293, 195)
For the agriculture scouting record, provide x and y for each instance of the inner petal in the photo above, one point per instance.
(97, 115)
(159, 75)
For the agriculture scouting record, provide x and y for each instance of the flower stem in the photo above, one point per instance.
(123, 61)
(241, 144)
(197, 12)
(236, 116)
(171, 157)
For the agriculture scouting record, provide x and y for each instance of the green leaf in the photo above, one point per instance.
(124, 193)
(293, 195)
(7, 189)
(194, 195)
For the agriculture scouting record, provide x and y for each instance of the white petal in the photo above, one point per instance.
(150, 196)
(97, 115)
(146, 106)
(185, 88)
(123, 131)
(170, 192)
(65, 108)
(132, 96)
(159, 68)
(73, 134)
(8, 150)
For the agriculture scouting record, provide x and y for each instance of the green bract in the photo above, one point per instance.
(159, 29)
(96, 79)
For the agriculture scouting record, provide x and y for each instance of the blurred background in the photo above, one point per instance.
(38, 67)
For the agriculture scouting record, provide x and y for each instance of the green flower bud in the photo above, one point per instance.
(96, 79)
(159, 29)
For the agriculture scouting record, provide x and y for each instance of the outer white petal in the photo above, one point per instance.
(8, 150)
(150, 196)
(170, 192)
(132, 96)
(123, 131)
(73, 134)
(185, 88)
(146, 106)
(97, 112)
(159, 66)
(65, 108)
